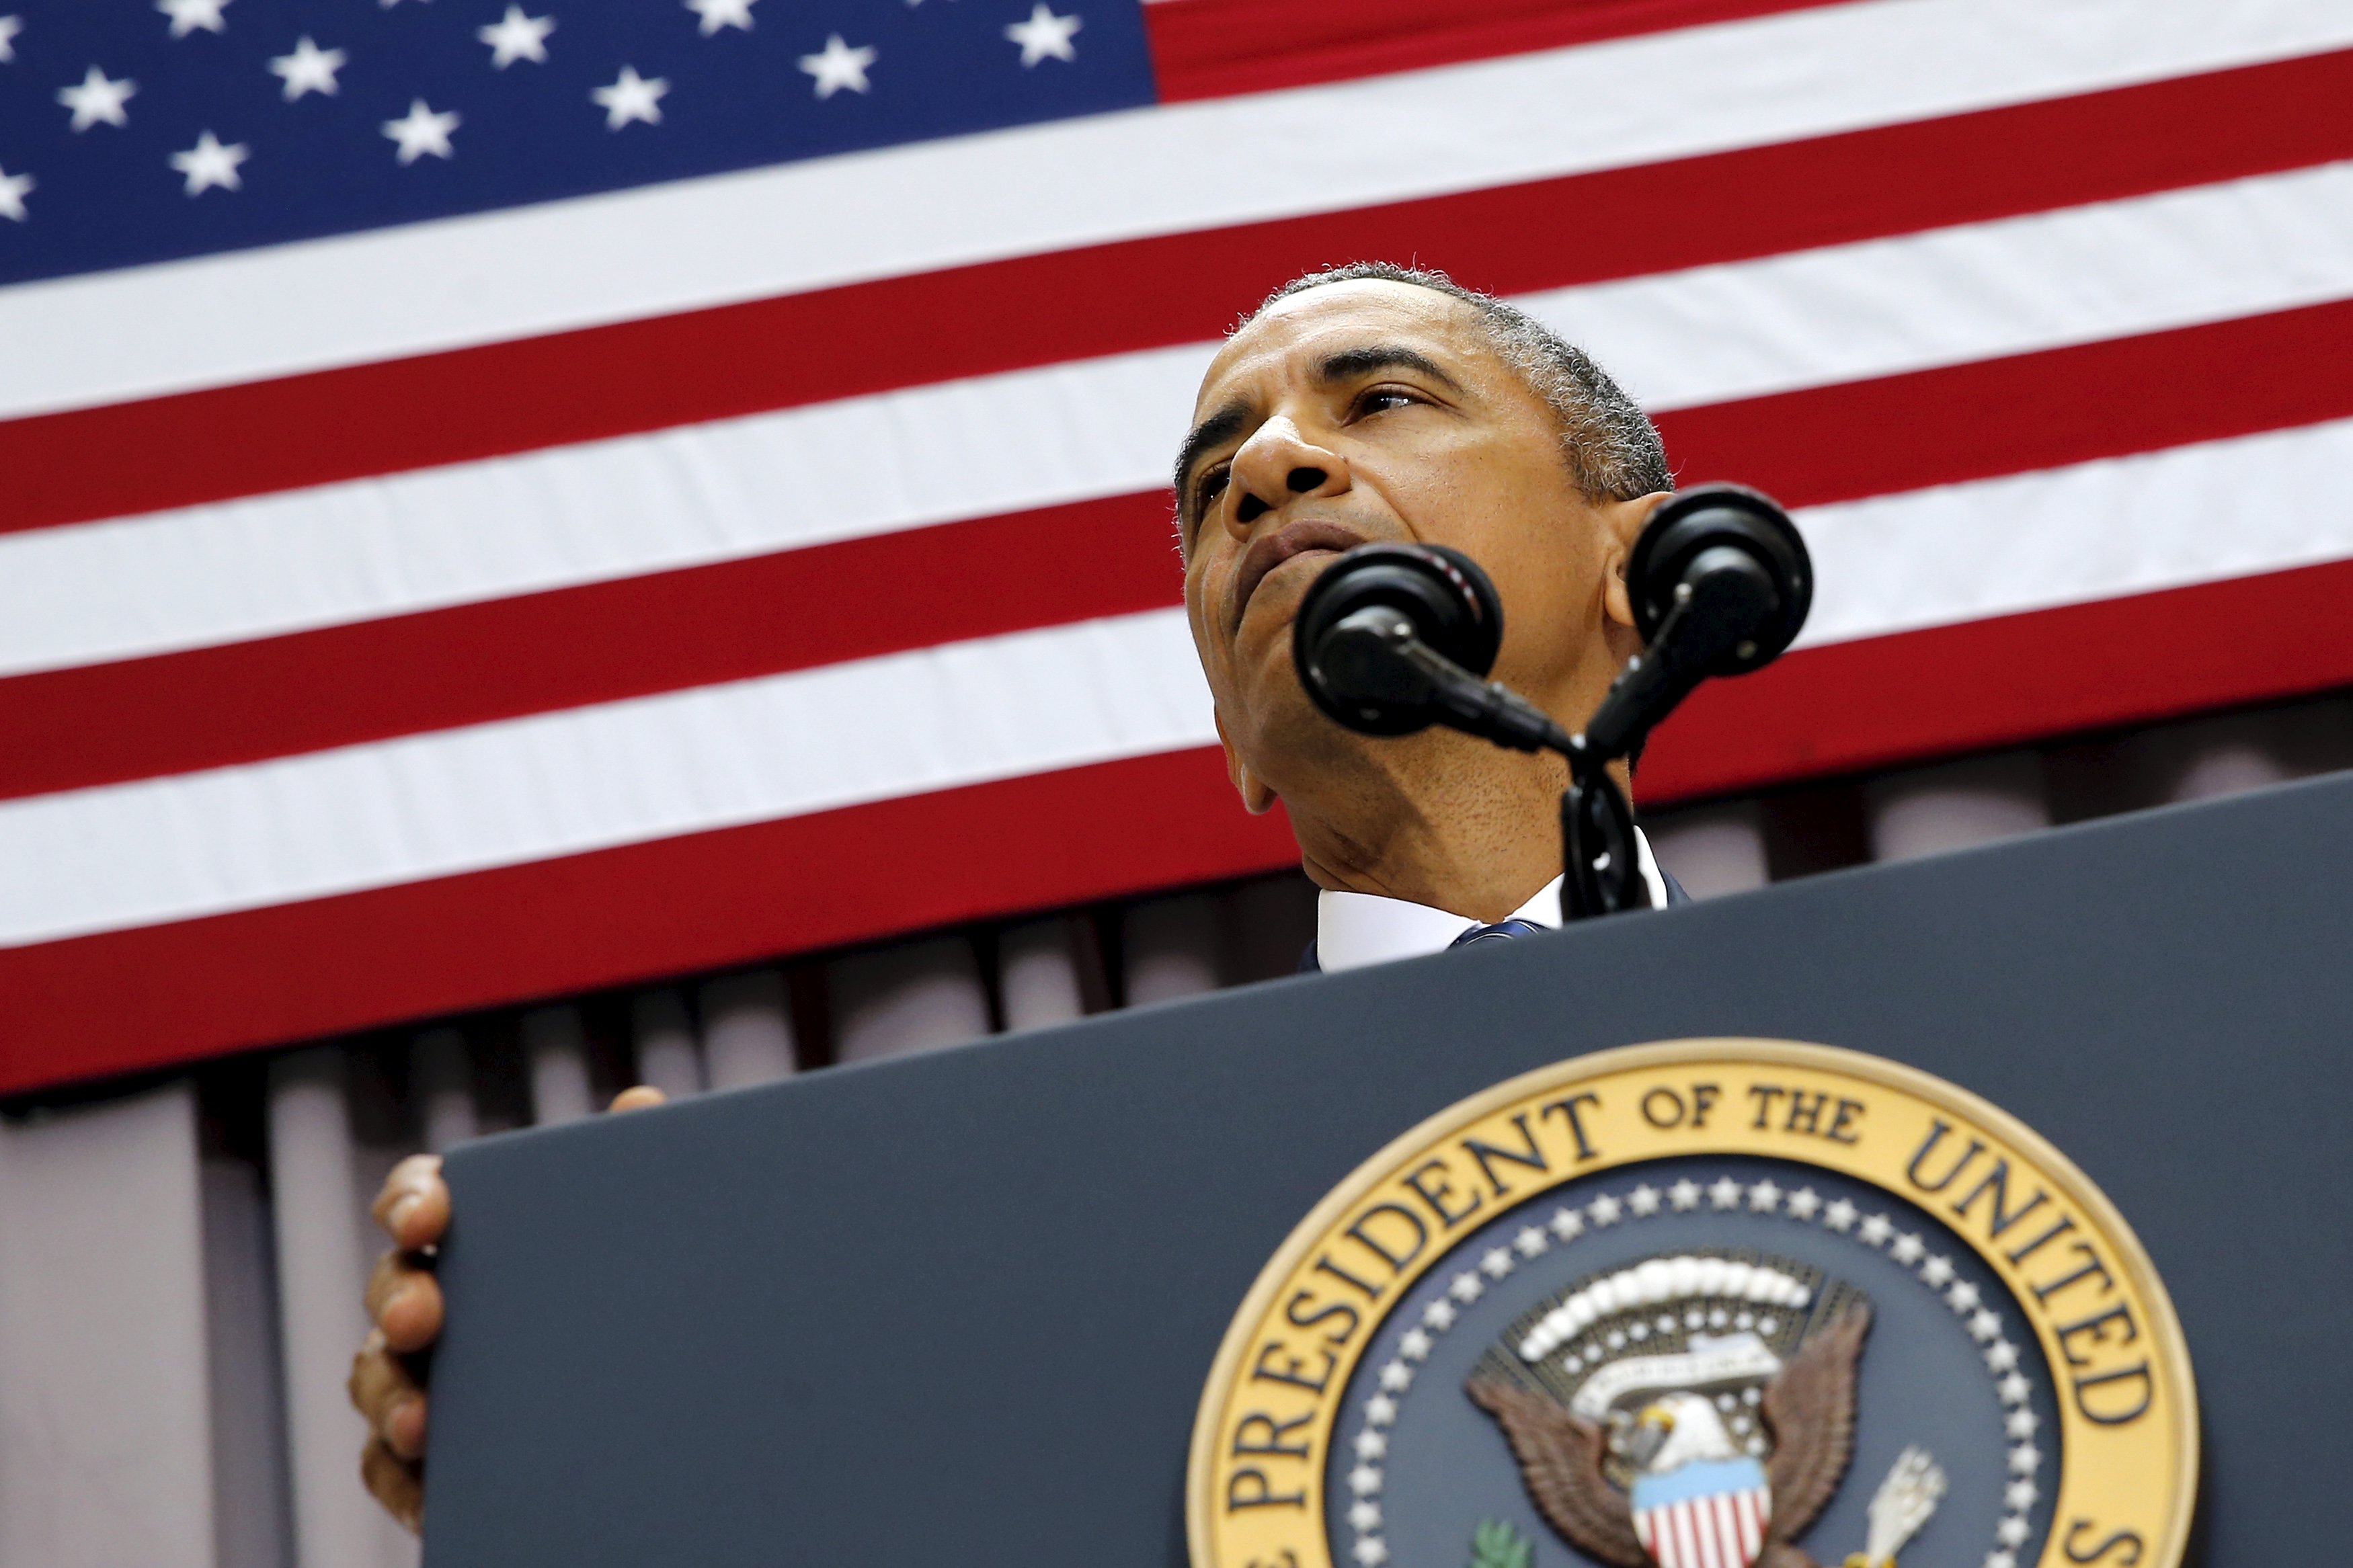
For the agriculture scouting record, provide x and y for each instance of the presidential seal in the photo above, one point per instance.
(1703, 1304)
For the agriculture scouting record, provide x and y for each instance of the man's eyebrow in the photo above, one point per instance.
(1222, 426)
(1349, 365)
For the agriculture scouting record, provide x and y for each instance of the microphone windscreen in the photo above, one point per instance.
(1678, 539)
(1450, 602)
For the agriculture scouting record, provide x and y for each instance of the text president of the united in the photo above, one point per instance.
(1367, 403)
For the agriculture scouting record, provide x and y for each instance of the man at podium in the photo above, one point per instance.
(1369, 403)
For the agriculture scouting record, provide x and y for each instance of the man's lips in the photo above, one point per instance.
(1271, 550)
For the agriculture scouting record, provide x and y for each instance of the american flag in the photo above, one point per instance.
(504, 499)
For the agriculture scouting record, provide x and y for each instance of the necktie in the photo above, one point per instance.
(1502, 930)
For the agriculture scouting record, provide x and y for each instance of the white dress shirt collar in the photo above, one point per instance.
(1353, 930)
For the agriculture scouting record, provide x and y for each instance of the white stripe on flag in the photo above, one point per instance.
(731, 489)
(2091, 531)
(1972, 292)
(591, 778)
(145, 331)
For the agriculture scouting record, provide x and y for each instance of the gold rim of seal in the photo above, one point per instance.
(2167, 1350)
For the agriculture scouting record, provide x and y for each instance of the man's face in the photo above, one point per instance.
(1365, 411)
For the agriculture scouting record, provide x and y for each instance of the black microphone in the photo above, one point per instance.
(1392, 638)
(1721, 584)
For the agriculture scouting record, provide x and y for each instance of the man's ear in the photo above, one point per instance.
(1621, 523)
(1258, 798)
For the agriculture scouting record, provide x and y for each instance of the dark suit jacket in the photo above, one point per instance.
(1675, 895)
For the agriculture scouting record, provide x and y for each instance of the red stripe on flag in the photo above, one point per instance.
(471, 664)
(2007, 681)
(2025, 412)
(404, 674)
(1215, 48)
(873, 337)
(131, 1000)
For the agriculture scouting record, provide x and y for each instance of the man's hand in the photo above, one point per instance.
(404, 1300)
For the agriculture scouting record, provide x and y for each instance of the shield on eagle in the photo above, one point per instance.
(1704, 1513)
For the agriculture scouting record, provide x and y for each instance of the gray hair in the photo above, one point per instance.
(1613, 450)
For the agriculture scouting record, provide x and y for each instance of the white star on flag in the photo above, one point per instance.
(839, 66)
(515, 36)
(1044, 35)
(9, 27)
(187, 15)
(208, 163)
(97, 99)
(632, 97)
(14, 189)
(718, 13)
(421, 130)
(309, 69)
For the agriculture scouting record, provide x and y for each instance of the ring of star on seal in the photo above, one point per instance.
(1703, 1304)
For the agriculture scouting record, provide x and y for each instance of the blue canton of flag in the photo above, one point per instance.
(138, 131)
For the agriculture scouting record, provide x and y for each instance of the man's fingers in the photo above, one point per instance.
(641, 1097)
(405, 1303)
(396, 1483)
(414, 1206)
(382, 1390)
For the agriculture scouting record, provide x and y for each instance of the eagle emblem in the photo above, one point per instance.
(1695, 1411)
